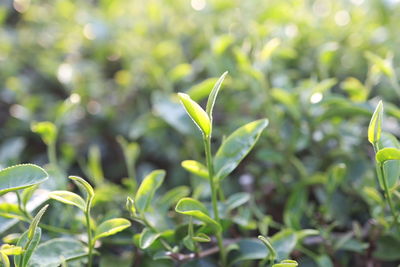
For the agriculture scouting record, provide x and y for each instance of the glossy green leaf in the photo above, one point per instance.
(196, 113)
(68, 198)
(195, 208)
(56, 251)
(47, 131)
(196, 168)
(148, 187)
(21, 176)
(386, 154)
(147, 238)
(375, 125)
(111, 227)
(213, 96)
(84, 186)
(236, 147)
(29, 245)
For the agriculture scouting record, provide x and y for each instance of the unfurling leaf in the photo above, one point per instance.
(196, 113)
(375, 125)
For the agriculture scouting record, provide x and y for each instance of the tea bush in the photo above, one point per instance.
(296, 162)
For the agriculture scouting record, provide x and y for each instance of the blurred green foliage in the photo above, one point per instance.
(89, 71)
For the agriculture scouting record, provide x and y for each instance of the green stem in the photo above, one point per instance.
(89, 235)
(51, 153)
(214, 187)
(389, 196)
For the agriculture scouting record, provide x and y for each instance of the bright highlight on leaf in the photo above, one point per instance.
(375, 125)
(196, 113)
(21, 176)
(196, 168)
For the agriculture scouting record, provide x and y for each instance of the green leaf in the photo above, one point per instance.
(27, 194)
(147, 238)
(56, 251)
(375, 125)
(148, 187)
(386, 154)
(268, 245)
(111, 227)
(387, 248)
(29, 246)
(195, 208)
(68, 198)
(84, 186)
(47, 131)
(201, 90)
(130, 206)
(196, 113)
(35, 222)
(391, 168)
(237, 146)
(196, 168)
(21, 176)
(201, 237)
(4, 259)
(213, 96)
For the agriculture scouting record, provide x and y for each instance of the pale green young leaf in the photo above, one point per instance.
(196, 113)
(193, 207)
(201, 90)
(213, 96)
(35, 222)
(47, 131)
(196, 168)
(148, 187)
(286, 263)
(130, 206)
(201, 237)
(391, 168)
(111, 227)
(83, 184)
(386, 154)
(375, 125)
(21, 176)
(68, 198)
(236, 147)
(27, 194)
(11, 249)
(4, 259)
(29, 246)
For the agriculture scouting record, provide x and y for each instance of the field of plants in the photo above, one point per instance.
(199, 133)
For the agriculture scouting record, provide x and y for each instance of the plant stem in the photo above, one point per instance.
(214, 187)
(89, 235)
(389, 197)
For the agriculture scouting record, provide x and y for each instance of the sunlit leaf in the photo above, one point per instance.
(21, 176)
(386, 154)
(195, 208)
(196, 168)
(111, 227)
(375, 125)
(147, 238)
(68, 198)
(213, 96)
(29, 246)
(148, 187)
(236, 147)
(196, 113)
(47, 131)
(84, 186)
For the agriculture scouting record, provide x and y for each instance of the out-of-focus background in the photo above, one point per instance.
(107, 68)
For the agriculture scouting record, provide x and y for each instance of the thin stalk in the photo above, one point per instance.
(51, 153)
(89, 235)
(214, 187)
(389, 197)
